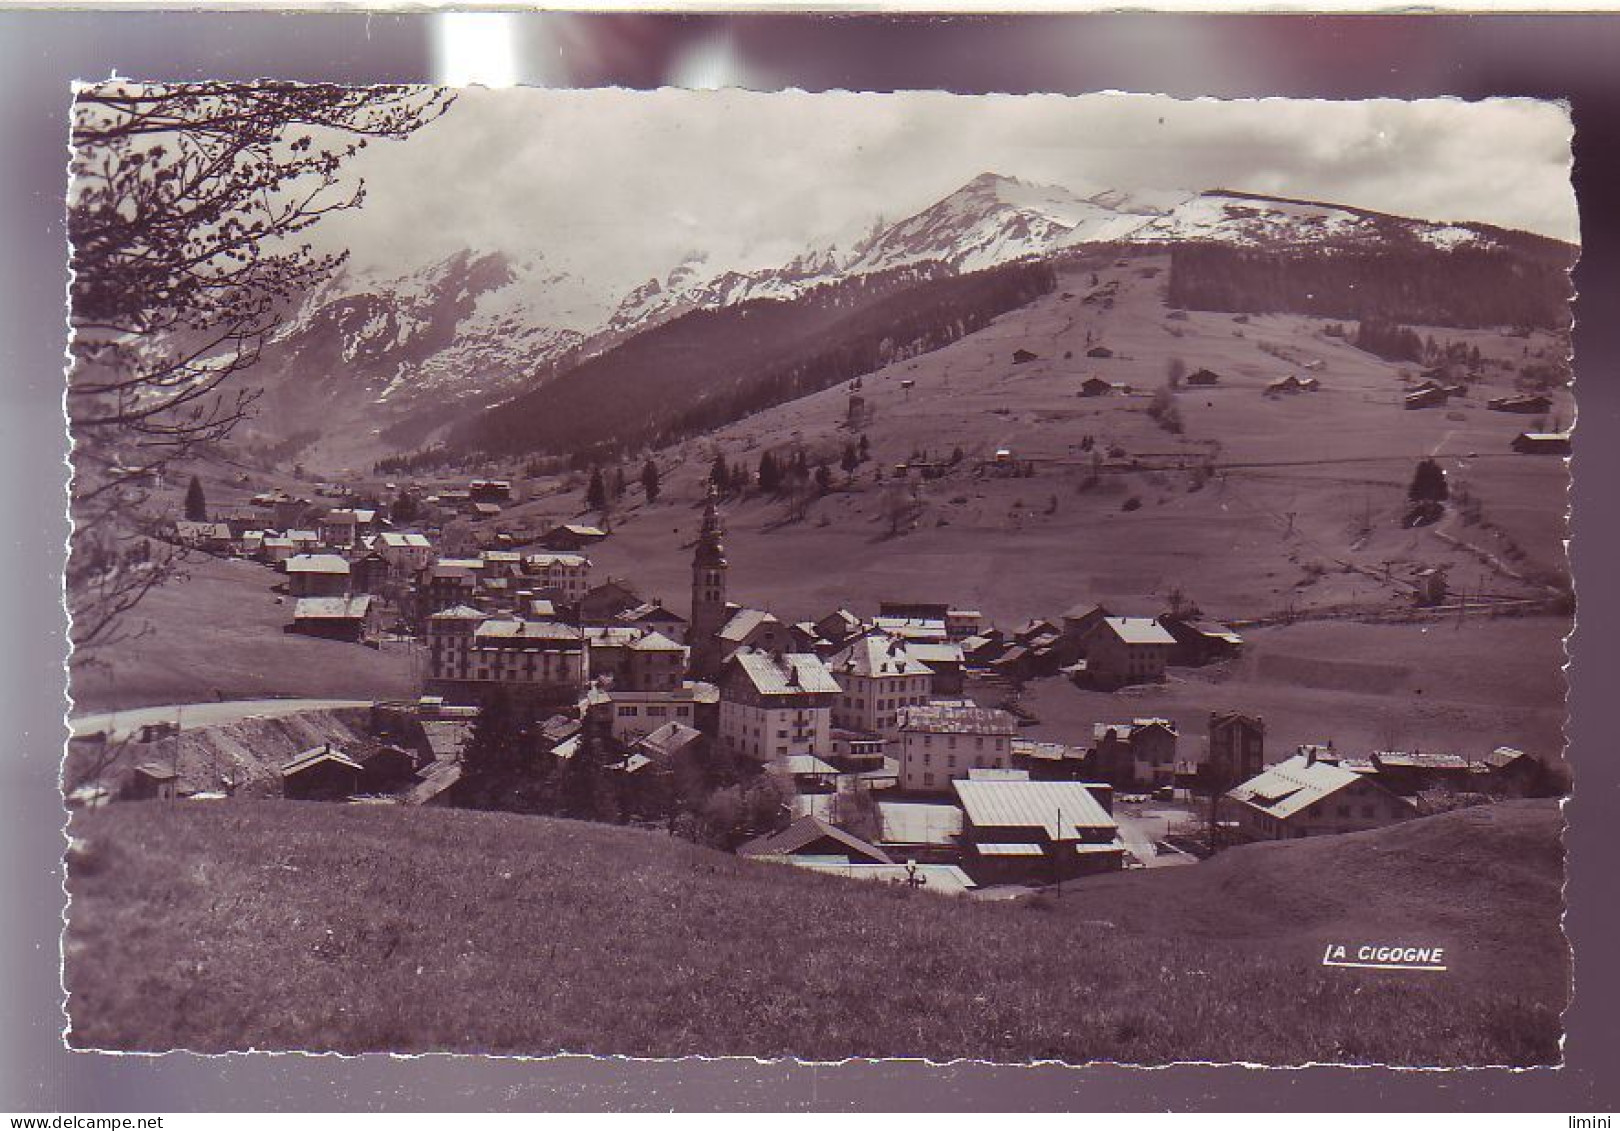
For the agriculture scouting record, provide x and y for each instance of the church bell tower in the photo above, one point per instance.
(708, 590)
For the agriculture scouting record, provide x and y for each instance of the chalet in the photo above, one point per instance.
(668, 743)
(982, 650)
(861, 752)
(386, 769)
(571, 537)
(814, 838)
(275, 549)
(1140, 754)
(1095, 387)
(653, 616)
(912, 629)
(323, 773)
(287, 512)
(1293, 384)
(1126, 650)
(878, 677)
(1237, 745)
(1199, 642)
(368, 573)
(1508, 771)
(490, 491)
(1410, 772)
(1099, 352)
(635, 659)
(341, 529)
(317, 575)
(212, 536)
(1077, 622)
(445, 584)
(152, 781)
(960, 624)
(1535, 404)
(804, 773)
(601, 603)
(776, 705)
(838, 626)
(336, 618)
(470, 652)
(484, 510)
(940, 742)
(1434, 397)
(506, 564)
(923, 831)
(1023, 357)
(753, 629)
(566, 575)
(946, 661)
(1307, 795)
(1203, 377)
(1050, 761)
(1029, 832)
(1542, 443)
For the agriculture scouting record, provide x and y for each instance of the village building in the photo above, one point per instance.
(571, 537)
(838, 626)
(276, 549)
(878, 677)
(1536, 404)
(354, 619)
(368, 573)
(214, 537)
(490, 490)
(1237, 745)
(1509, 772)
(1095, 387)
(1198, 641)
(944, 659)
(915, 629)
(653, 616)
(1542, 443)
(634, 659)
(1126, 650)
(323, 773)
(406, 552)
(286, 512)
(1203, 378)
(1140, 754)
(804, 774)
(753, 629)
(1050, 761)
(601, 603)
(445, 584)
(924, 831)
(1434, 397)
(1409, 772)
(664, 745)
(1309, 795)
(811, 837)
(940, 742)
(152, 781)
(568, 576)
(635, 714)
(773, 706)
(341, 529)
(470, 653)
(1030, 832)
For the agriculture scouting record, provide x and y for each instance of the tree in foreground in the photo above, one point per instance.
(185, 215)
(196, 502)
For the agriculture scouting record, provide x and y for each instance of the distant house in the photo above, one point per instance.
(1199, 642)
(490, 491)
(317, 575)
(838, 626)
(1095, 387)
(1294, 384)
(810, 836)
(386, 768)
(1077, 622)
(963, 623)
(668, 743)
(940, 742)
(566, 575)
(1409, 772)
(152, 782)
(212, 536)
(1126, 650)
(1237, 745)
(324, 773)
(601, 603)
(946, 660)
(1029, 832)
(340, 528)
(406, 552)
(774, 706)
(1050, 761)
(635, 714)
(1510, 771)
(1203, 377)
(1308, 795)
(1529, 404)
(368, 573)
(571, 537)
(804, 773)
(653, 616)
(752, 629)
(1542, 443)
(336, 618)
(1099, 351)
(1434, 397)
(1022, 357)
(1140, 754)
(446, 584)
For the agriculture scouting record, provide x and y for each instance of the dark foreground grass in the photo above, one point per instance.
(279, 925)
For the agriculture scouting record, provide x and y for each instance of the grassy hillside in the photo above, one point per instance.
(282, 925)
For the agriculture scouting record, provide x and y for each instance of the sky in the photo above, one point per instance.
(615, 186)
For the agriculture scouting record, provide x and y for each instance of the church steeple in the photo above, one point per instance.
(708, 588)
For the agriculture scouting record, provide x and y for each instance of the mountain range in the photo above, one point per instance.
(369, 364)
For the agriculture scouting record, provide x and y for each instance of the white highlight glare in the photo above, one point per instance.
(475, 48)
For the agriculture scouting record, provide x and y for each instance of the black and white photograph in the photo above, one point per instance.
(1020, 579)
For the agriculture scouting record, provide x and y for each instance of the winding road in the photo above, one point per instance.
(119, 725)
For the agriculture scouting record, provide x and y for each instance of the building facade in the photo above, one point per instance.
(941, 742)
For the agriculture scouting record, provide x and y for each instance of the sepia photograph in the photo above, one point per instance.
(1024, 579)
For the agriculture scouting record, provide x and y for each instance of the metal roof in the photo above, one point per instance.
(332, 608)
(1139, 630)
(1062, 808)
(744, 621)
(806, 831)
(1009, 850)
(918, 822)
(949, 718)
(317, 563)
(324, 753)
(526, 630)
(1293, 784)
(794, 673)
(880, 656)
(655, 642)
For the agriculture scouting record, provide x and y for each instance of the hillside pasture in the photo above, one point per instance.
(283, 925)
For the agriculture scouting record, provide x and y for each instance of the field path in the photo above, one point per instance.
(121, 724)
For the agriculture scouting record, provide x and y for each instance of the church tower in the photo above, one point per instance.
(708, 590)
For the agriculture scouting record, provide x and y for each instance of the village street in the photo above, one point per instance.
(119, 725)
(1143, 830)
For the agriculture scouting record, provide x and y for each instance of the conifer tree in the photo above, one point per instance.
(196, 502)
